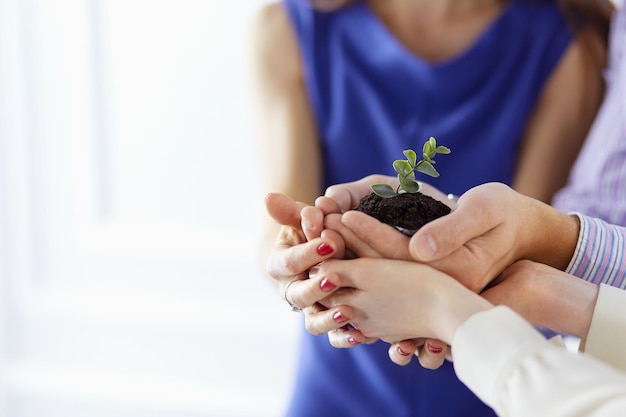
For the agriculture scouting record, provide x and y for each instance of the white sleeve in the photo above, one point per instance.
(606, 339)
(516, 371)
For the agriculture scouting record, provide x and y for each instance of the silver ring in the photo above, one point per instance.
(294, 307)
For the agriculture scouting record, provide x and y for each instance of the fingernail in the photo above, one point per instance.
(352, 341)
(401, 352)
(426, 247)
(339, 318)
(324, 249)
(432, 349)
(326, 285)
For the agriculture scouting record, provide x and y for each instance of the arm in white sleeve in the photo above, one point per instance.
(600, 255)
(606, 339)
(513, 369)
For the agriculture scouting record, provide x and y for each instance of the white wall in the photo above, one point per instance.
(125, 289)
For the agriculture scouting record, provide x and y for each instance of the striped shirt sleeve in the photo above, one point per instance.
(599, 257)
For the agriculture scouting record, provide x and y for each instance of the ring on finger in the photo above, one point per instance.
(294, 307)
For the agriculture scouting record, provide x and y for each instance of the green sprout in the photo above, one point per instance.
(406, 170)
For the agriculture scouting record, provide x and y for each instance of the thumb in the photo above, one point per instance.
(445, 235)
(284, 209)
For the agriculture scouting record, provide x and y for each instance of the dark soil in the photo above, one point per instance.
(408, 211)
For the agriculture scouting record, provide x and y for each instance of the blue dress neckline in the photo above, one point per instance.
(483, 44)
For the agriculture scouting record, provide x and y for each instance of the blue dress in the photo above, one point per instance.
(372, 99)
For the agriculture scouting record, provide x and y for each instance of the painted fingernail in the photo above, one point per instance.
(339, 318)
(401, 352)
(432, 349)
(324, 249)
(326, 285)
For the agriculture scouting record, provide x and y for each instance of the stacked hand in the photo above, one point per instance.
(404, 290)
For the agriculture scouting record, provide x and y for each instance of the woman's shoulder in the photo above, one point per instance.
(273, 41)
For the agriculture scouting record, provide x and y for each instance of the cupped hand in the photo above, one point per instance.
(293, 255)
(302, 243)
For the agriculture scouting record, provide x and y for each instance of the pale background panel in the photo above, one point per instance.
(127, 287)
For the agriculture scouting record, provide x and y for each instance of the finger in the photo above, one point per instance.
(338, 243)
(432, 354)
(312, 222)
(319, 320)
(347, 337)
(352, 242)
(283, 209)
(348, 195)
(304, 293)
(292, 262)
(444, 235)
(401, 353)
(367, 232)
(328, 205)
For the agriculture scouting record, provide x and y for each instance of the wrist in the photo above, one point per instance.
(552, 238)
(455, 309)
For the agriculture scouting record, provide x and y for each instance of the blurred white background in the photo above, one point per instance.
(129, 215)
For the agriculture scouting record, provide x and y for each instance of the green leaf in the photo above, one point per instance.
(443, 150)
(383, 190)
(433, 143)
(402, 167)
(427, 168)
(410, 156)
(427, 149)
(410, 186)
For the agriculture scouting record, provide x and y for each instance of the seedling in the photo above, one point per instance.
(406, 170)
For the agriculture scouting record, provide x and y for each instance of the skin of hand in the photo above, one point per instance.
(400, 300)
(546, 297)
(492, 227)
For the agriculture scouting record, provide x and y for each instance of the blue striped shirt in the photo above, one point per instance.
(599, 257)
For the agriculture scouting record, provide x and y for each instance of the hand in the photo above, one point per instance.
(546, 297)
(400, 300)
(293, 254)
(300, 246)
(492, 227)
(345, 197)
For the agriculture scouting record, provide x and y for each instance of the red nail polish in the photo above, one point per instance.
(401, 352)
(324, 249)
(433, 349)
(326, 285)
(339, 318)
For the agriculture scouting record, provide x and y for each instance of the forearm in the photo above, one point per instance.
(511, 367)
(606, 338)
(546, 297)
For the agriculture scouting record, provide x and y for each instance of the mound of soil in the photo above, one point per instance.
(405, 211)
